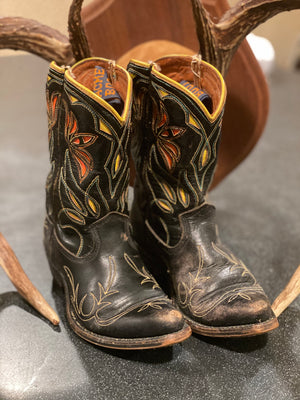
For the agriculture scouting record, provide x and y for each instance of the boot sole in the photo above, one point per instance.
(130, 344)
(233, 331)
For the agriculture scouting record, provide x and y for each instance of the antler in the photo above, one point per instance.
(26, 34)
(13, 269)
(219, 41)
(77, 36)
(288, 295)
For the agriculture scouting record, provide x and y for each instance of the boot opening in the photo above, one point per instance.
(209, 90)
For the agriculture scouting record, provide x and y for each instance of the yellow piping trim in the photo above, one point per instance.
(141, 63)
(98, 99)
(54, 66)
(211, 117)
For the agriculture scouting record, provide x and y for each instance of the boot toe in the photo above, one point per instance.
(150, 325)
(239, 315)
(150, 320)
(241, 311)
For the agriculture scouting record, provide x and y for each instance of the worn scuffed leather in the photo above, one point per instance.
(175, 146)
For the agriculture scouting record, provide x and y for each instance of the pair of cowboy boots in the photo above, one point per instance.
(113, 267)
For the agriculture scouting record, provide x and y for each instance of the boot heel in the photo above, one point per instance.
(57, 279)
(48, 233)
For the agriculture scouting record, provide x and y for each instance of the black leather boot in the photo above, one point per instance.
(178, 108)
(111, 299)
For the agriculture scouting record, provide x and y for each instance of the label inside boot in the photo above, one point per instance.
(203, 96)
(104, 89)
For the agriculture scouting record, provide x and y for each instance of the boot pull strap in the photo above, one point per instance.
(112, 71)
(196, 69)
(153, 64)
(69, 68)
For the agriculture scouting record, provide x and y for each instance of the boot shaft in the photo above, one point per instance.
(89, 109)
(176, 139)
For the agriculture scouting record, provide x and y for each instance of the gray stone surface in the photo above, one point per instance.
(259, 219)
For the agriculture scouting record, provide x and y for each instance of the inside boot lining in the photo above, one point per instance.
(84, 74)
(179, 68)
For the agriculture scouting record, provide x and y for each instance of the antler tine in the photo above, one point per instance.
(225, 36)
(29, 35)
(26, 34)
(288, 295)
(237, 22)
(77, 36)
(204, 30)
(20, 280)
